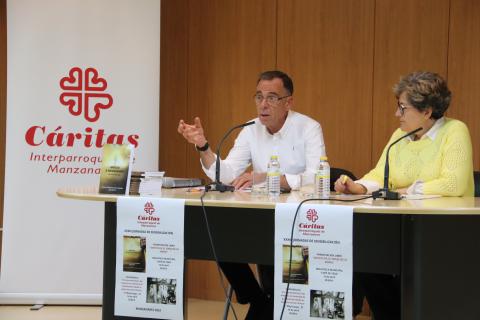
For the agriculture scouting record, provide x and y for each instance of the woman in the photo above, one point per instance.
(435, 160)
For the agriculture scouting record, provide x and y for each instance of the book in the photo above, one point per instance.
(116, 168)
(135, 179)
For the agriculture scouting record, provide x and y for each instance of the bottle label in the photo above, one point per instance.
(273, 173)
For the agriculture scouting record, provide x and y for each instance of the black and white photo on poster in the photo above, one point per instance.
(327, 304)
(162, 291)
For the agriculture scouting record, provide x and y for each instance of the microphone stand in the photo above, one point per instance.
(384, 192)
(217, 185)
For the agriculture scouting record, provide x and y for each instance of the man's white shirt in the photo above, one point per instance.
(299, 145)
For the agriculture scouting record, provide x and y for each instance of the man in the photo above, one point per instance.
(298, 142)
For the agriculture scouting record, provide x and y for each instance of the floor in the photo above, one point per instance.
(197, 310)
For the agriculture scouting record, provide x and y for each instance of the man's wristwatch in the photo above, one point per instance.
(204, 148)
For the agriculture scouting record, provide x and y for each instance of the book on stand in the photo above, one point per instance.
(116, 169)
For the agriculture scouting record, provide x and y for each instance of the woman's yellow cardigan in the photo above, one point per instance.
(444, 164)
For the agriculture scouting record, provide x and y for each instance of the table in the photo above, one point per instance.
(434, 244)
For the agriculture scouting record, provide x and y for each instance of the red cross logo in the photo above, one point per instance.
(149, 208)
(312, 215)
(82, 90)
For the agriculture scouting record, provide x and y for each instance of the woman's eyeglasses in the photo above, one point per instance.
(401, 108)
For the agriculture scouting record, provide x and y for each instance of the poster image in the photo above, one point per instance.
(313, 264)
(299, 264)
(149, 258)
(134, 252)
(327, 304)
(162, 291)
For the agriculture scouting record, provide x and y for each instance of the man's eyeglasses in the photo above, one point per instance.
(271, 99)
(401, 108)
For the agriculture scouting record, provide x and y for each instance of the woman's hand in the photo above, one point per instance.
(346, 185)
(402, 190)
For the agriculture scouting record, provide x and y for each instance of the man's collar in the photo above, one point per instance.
(283, 131)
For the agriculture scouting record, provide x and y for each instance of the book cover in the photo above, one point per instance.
(299, 264)
(116, 168)
(134, 251)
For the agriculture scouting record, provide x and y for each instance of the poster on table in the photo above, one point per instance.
(320, 267)
(149, 258)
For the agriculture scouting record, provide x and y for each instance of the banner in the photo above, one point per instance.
(319, 261)
(150, 258)
(81, 73)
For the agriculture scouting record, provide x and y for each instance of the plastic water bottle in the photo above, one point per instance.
(273, 177)
(322, 179)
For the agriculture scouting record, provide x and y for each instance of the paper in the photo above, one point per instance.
(321, 264)
(149, 258)
(419, 196)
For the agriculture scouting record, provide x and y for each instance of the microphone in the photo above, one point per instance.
(217, 185)
(384, 192)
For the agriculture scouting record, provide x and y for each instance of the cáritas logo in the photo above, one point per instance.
(149, 208)
(85, 93)
(312, 215)
(148, 220)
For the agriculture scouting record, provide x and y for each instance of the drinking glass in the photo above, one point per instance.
(307, 184)
(259, 183)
